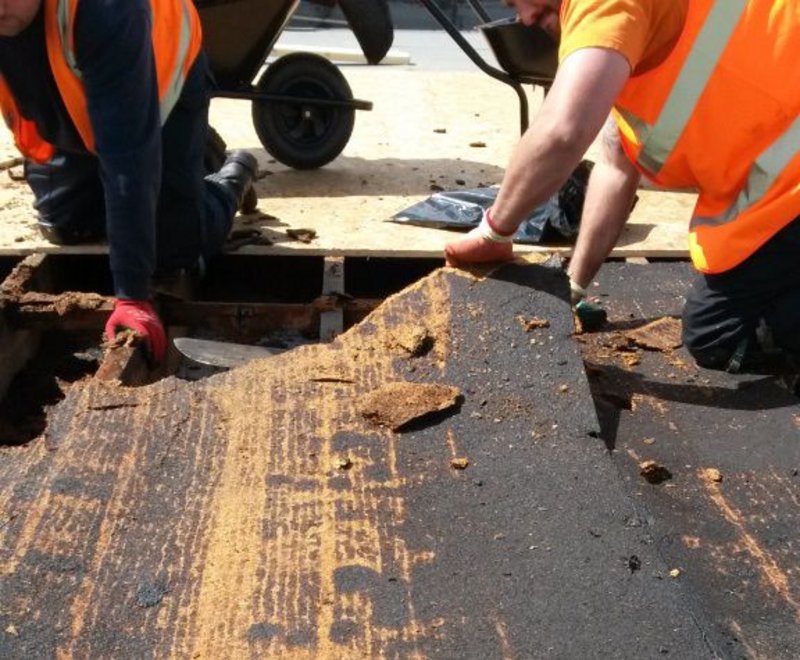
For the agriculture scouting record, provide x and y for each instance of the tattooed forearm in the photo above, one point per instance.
(612, 147)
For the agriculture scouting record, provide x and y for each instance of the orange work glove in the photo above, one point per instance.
(481, 245)
(139, 316)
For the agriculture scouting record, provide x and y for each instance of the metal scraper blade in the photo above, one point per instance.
(220, 353)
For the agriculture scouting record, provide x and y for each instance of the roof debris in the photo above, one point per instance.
(663, 335)
(654, 473)
(459, 463)
(397, 404)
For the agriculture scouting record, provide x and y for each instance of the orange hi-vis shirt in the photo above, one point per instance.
(643, 31)
(715, 108)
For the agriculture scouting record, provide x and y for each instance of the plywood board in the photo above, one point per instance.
(396, 153)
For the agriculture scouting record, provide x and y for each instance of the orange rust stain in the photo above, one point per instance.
(773, 575)
(506, 650)
(788, 487)
(283, 522)
(82, 610)
(451, 443)
(736, 628)
(635, 456)
(691, 542)
(637, 400)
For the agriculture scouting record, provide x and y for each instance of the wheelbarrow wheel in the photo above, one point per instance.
(300, 134)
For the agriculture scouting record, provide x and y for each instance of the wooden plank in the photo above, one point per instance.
(331, 323)
(126, 365)
(393, 159)
(339, 54)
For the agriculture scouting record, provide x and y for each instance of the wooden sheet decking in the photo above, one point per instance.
(393, 158)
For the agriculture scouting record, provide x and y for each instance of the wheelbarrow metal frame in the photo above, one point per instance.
(498, 74)
(252, 94)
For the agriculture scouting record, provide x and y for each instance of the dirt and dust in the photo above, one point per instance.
(395, 405)
(654, 473)
(303, 235)
(663, 335)
(534, 323)
(712, 474)
(414, 340)
(62, 303)
(625, 346)
(15, 290)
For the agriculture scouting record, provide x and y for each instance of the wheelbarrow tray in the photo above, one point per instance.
(239, 34)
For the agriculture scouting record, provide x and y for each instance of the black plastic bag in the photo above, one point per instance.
(557, 219)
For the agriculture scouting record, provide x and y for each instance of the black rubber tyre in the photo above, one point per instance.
(303, 135)
(371, 22)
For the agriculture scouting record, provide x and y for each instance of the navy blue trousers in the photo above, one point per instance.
(724, 309)
(194, 215)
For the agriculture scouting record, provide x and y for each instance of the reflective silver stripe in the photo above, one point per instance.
(641, 128)
(763, 174)
(173, 90)
(692, 80)
(65, 30)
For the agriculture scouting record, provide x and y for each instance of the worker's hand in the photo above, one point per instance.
(576, 292)
(139, 316)
(483, 244)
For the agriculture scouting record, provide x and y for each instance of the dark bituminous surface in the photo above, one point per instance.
(256, 513)
(735, 542)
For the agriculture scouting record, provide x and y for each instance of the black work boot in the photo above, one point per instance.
(237, 175)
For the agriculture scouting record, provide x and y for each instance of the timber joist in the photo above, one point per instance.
(31, 303)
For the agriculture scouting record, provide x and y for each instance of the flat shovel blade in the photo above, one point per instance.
(220, 353)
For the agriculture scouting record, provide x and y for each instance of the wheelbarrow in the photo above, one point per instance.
(303, 109)
(527, 54)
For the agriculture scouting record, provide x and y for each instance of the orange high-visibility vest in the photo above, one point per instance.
(176, 37)
(722, 115)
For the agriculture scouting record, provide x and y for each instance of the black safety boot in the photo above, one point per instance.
(61, 235)
(237, 175)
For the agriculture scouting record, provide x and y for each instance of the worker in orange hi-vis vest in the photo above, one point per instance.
(108, 102)
(702, 95)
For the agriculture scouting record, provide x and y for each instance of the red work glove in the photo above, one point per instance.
(481, 245)
(139, 316)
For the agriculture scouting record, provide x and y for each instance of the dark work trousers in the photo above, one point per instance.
(194, 215)
(724, 309)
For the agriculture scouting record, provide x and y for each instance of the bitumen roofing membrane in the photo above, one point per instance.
(727, 520)
(548, 543)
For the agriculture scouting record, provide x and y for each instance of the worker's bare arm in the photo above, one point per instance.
(584, 90)
(609, 198)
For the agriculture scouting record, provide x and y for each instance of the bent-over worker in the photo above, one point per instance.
(108, 102)
(703, 94)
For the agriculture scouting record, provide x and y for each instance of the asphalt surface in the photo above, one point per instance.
(734, 541)
(205, 519)
(540, 551)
